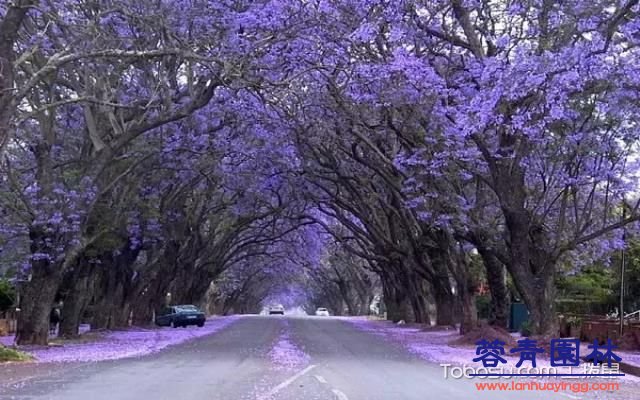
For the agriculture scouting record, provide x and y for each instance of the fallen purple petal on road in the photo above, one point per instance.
(285, 355)
(433, 345)
(429, 345)
(135, 342)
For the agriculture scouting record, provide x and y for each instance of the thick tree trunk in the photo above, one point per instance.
(38, 295)
(396, 303)
(227, 306)
(499, 313)
(533, 272)
(345, 293)
(417, 296)
(196, 288)
(107, 310)
(469, 314)
(121, 317)
(445, 302)
(115, 288)
(10, 24)
(99, 320)
(148, 302)
(469, 311)
(76, 300)
(143, 312)
(37, 299)
(531, 262)
(539, 296)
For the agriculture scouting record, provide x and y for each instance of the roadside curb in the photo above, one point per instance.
(630, 369)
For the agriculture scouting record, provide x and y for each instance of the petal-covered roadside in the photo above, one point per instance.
(436, 345)
(134, 342)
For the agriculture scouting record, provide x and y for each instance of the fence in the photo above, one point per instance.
(8, 323)
(596, 327)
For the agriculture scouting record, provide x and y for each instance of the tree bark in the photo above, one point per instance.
(143, 312)
(77, 299)
(10, 26)
(445, 301)
(469, 312)
(499, 313)
(466, 292)
(37, 299)
(396, 303)
(539, 296)
(416, 294)
(531, 264)
(38, 295)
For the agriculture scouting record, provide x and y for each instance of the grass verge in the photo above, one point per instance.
(7, 354)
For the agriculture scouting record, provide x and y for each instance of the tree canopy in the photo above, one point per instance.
(208, 149)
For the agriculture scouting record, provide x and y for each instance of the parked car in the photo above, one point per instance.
(181, 315)
(278, 309)
(322, 312)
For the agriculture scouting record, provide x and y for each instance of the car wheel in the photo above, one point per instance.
(174, 324)
(200, 324)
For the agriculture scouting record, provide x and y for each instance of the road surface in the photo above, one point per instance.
(343, 363)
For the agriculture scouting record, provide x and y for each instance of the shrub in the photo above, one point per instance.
(526, 329)
(7, 354)
(7, 295)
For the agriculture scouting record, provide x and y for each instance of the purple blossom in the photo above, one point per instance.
(285, 354)
(134, 342)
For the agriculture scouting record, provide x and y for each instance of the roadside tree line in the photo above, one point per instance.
(150, 147)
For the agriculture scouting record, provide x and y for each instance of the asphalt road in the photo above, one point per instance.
(344, 364)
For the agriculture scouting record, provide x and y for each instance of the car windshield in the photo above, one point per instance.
(187, 308)
(322, 309)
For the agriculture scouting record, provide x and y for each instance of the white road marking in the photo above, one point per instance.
(320, 378)
(339, 394)
(289, 381)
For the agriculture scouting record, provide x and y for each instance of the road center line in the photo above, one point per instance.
(289, 381)
(320, 378)
(339, 394)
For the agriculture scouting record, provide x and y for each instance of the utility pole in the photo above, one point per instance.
(622, 262)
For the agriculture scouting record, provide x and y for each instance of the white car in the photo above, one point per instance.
(322, 312)
(276, 310)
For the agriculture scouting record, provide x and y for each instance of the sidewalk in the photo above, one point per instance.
(436, 346)
(9, 340)
(112, 345)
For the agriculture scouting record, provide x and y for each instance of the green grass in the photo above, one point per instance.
(7, 354)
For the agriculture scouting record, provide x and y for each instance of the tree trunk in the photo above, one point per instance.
(539, 296)
(469, 311)
(499, 313)
(417, 297)
(346, 296)
(77, 300)
(143, 313)
(531, 262)
(396, 303)
(121, 316)
(10, 25)
(37, 297)
(445, 302)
